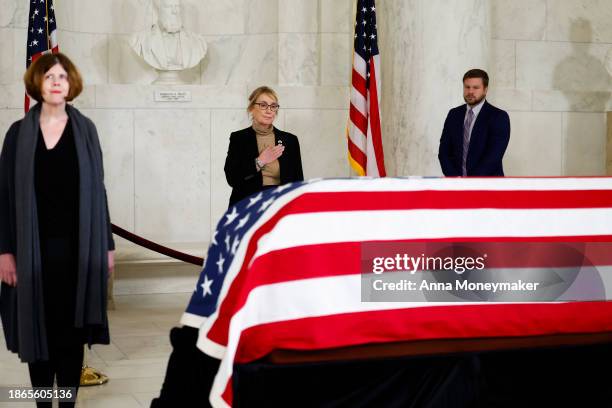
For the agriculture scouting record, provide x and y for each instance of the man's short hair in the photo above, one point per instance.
(35, 75)
(477, 73)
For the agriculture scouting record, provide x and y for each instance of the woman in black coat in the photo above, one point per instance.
(261, 156)
(56, 246)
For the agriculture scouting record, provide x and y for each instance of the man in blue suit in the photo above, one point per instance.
(475, 135)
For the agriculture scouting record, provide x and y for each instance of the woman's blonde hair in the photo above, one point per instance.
(258, 92)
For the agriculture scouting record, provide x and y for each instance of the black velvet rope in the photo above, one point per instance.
(143, 242)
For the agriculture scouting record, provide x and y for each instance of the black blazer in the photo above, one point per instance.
(240, 170)
(488, 142)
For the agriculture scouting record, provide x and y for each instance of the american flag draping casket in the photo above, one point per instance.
(284, 269)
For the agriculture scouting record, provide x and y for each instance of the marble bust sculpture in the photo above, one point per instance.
(167, 46)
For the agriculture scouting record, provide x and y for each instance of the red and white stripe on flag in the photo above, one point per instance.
(364, 137)
(42, 34)
(295, 282)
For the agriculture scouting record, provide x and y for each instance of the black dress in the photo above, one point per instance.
(57, 200)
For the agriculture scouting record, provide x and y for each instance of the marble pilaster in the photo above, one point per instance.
(426, 47)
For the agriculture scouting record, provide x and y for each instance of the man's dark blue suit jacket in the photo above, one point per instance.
(488, 142)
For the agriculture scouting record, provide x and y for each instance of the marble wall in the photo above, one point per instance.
(164, 161)
(549, 60)
(550, 63)
(426, 46)
(551, 69)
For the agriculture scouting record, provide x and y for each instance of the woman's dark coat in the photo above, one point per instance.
(240, 170)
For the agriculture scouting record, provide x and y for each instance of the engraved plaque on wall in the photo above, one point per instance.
(172, 96)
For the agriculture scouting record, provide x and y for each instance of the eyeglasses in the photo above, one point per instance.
(264, 106)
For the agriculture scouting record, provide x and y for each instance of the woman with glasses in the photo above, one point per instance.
(261, 156)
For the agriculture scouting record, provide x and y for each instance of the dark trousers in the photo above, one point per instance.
(64, 365)
(65, 342)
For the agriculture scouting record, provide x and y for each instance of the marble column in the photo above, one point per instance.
(426, 47)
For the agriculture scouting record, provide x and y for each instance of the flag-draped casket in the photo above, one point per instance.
(285, 269)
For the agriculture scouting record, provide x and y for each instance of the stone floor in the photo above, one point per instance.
(135, 361)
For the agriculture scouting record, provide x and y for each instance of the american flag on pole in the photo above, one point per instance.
(42, 34)
(284, 268)
(365, 149)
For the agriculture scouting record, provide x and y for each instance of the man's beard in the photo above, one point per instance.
(476, 101)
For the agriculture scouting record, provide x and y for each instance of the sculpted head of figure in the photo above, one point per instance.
(169, 15)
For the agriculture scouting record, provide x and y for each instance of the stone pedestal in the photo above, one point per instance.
(167, 78)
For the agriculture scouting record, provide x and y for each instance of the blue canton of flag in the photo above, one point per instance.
(42, 33)
(366, 43)
(222, 250)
